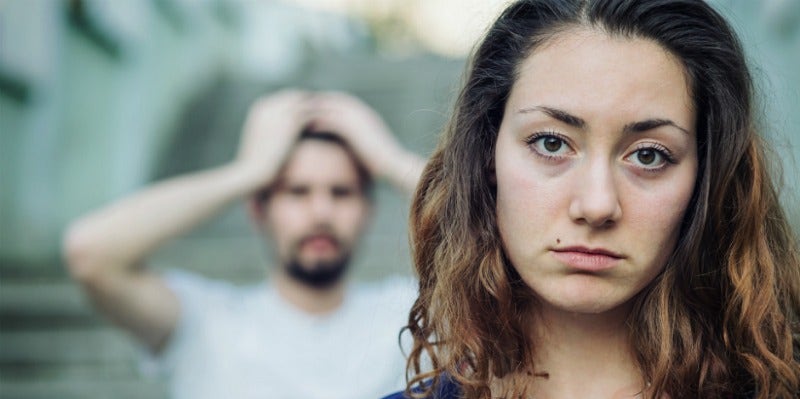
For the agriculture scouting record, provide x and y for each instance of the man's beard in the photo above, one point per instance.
(319, 274)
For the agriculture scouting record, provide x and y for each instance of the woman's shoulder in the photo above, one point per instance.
(445, 389)
(448, 389)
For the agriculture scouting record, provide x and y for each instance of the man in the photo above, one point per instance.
(304, 165)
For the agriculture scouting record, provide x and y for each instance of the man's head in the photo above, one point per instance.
(317, 209)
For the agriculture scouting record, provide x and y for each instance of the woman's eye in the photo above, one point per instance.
(550, 145)
(648, 158)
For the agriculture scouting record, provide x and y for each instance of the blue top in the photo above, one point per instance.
(447, 389)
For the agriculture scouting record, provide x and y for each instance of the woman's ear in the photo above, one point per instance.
(491, 173)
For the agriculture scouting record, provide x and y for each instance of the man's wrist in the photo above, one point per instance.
(241, 180)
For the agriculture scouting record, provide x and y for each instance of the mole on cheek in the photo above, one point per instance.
(558, 241)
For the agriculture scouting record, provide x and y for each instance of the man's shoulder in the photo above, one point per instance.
(393, 292)
(193, 287)
(388, 286)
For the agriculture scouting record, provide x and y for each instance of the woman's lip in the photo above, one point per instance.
(587, 250)
(585, 259)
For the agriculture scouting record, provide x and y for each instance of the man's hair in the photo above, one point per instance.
(721, 318)
(365, 179)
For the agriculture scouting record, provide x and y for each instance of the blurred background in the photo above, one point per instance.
(101, 97)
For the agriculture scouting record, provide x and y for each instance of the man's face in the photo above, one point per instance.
(316, 212)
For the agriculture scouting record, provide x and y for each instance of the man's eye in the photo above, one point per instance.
(340, 192)
(298, 191)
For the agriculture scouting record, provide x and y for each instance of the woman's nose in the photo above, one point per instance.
(595, 199)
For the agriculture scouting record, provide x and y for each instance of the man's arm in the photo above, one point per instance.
(371, 139)
(105, 250)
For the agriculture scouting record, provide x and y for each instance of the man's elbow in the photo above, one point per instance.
(82, 255)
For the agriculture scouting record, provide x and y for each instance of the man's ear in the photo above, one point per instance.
(370, 212)
(256, 212)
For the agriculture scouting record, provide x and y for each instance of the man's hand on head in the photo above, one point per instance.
(361, 126)
(272, 126)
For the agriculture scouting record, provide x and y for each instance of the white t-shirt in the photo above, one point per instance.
(247, 342)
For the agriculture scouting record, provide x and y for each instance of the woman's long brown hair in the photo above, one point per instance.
(721, 320)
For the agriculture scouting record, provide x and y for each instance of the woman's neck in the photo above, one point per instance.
(582, 356)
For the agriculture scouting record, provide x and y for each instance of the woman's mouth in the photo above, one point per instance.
(587, 259)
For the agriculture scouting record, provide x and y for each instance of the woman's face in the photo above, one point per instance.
(595, 165)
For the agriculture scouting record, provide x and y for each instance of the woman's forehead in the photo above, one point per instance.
(590, 72)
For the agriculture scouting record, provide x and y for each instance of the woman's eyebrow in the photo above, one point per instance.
(572, 120)
(641, 126)
(554, 113)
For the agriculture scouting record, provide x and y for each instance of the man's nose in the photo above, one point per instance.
(321, 205)
(595, 197)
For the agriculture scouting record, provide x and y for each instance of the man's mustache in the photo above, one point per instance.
(317, 235)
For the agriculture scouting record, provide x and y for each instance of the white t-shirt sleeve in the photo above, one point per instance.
(196, 296)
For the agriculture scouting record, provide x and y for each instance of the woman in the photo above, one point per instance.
(599, 220)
